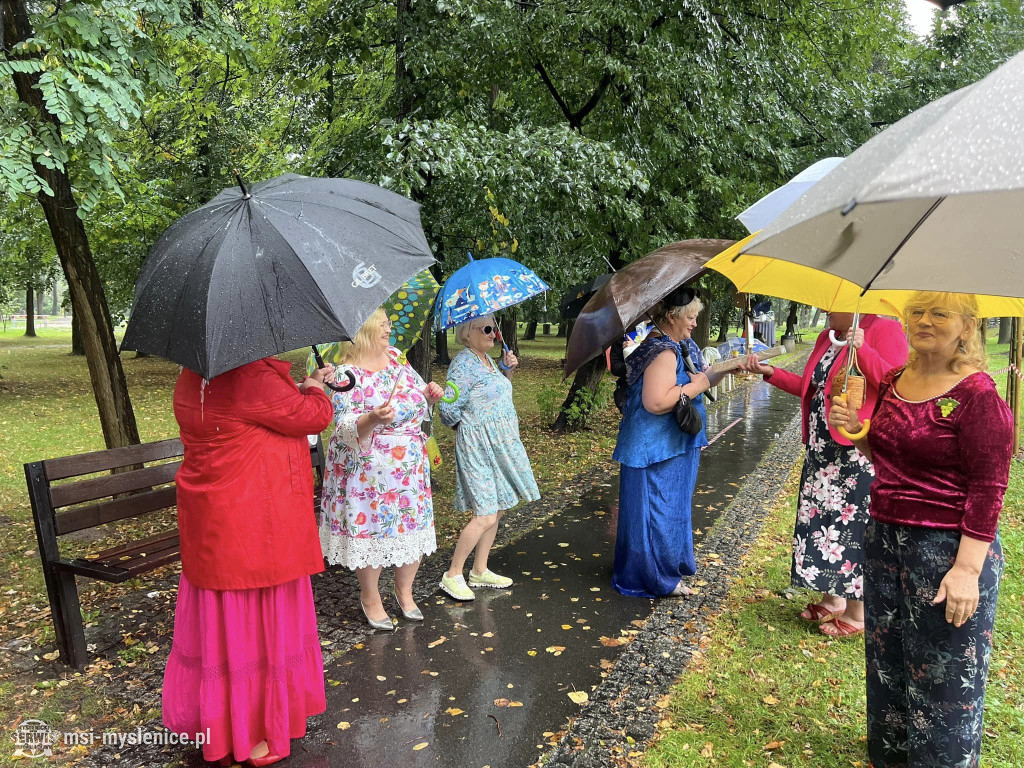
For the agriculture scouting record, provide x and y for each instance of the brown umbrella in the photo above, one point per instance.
(632, 292)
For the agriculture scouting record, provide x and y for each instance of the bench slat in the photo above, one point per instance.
(117, 571)
(133, 548)
(110, 485)
(110, 511)
(112, 458)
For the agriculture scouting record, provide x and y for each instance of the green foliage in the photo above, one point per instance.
(584, 404)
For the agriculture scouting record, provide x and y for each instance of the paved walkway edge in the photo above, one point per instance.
(622, 715)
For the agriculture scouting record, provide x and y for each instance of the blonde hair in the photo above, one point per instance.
(364, 341)
(462, 330)
(664, 312)
(970, 352)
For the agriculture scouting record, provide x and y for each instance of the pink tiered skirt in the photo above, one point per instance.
(245, 666)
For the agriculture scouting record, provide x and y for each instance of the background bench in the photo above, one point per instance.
(141, 482)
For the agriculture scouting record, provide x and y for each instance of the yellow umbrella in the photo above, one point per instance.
(773, 277)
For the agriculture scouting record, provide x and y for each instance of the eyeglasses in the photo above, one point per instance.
(487, 330)
(937, 315)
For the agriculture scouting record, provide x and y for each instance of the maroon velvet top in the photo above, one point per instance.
(937, 471)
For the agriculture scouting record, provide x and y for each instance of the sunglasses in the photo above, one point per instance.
(487, 330)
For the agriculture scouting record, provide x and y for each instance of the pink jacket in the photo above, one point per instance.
(885, 347)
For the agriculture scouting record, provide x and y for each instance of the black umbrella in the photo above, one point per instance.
(294, 262)
(577, 296)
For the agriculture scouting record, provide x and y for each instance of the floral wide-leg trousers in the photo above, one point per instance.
(925, 677)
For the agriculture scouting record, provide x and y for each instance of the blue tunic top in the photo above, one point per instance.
(646, 438)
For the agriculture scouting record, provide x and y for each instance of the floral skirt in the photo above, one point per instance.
(245, 666)
(832, 511)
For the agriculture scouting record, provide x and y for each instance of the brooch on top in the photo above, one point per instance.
(947, 405)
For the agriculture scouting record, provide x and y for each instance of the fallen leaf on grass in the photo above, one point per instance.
(772, 745)
(708, 750)
(770, 700)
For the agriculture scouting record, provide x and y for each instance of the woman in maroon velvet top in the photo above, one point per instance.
(941, 443)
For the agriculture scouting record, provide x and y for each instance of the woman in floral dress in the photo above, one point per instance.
(377, 509)
(492, 471)
(832, 510)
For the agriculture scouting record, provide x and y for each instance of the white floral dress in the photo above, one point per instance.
(832, 512)
(377, 507)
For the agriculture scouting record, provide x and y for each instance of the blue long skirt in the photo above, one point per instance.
(654, 543)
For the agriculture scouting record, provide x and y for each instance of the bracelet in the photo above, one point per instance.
(683, 397)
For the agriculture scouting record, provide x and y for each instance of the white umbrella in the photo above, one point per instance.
(766, 210)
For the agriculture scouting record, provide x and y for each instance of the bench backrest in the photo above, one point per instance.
(141, 481)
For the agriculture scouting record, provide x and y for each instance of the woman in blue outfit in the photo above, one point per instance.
(654, 544)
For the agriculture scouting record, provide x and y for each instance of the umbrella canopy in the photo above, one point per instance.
(796, 282)
(293, 262)
(632, 292)
(946, 4)
(577, 296)
(484, 286)
(932, 203)
(765, 210)
(408, 309)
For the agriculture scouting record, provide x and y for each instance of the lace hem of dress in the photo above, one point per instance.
(245, 671)
(352, 553)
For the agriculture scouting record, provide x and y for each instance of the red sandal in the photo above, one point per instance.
(819, 613)
(843, 628)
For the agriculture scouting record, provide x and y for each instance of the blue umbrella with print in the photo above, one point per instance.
(483, 287)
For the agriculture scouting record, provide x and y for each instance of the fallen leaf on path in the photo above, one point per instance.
(437, 642)
(453, 711)
(579, 697)
(421, 745)
(344, 726)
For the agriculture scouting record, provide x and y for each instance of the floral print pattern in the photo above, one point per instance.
(925, 678)
(492, 470)
(377, 506)
(832, 510)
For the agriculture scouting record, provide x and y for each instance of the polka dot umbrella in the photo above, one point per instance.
(408, 309)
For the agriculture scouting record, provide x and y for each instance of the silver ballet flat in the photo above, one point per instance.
(388, 625)
(414, 615)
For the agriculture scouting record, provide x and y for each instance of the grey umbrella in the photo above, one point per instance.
(934, 202)
(294, 262)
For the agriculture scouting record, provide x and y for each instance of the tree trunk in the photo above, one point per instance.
(817, 314)
(510, 330)
(77, 347)
(724, 319)
(588, 377)
(702, 333)
(30, 310)
(55, 305)
(68, 231)
(443, 357)
(531, 331)
(791, 320)
(419, 357)
(562, 330)
(1005, 330)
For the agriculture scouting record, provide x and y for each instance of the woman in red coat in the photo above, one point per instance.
(245, 669)
(832, 512)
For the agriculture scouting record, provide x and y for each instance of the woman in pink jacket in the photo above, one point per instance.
(832, 512)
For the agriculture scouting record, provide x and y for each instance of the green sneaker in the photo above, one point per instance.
(455, 586)
(489, 579)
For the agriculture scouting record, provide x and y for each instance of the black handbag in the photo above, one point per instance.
(687, 416)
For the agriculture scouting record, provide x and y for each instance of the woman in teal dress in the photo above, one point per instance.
(492, 471)
(654, 539)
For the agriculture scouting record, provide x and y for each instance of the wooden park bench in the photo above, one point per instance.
(144, 485)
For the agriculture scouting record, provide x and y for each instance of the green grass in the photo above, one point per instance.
(770, 689)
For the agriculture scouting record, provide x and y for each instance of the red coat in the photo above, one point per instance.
(885, 347)
(245, 487)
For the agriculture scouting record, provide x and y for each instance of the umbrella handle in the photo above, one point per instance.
(851, 436)
(835, 341)
(336, 387)
(455, 393)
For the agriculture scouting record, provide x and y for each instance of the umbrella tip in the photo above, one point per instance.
(241, 184)
(470, 255)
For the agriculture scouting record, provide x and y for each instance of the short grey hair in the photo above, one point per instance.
(462, 330)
